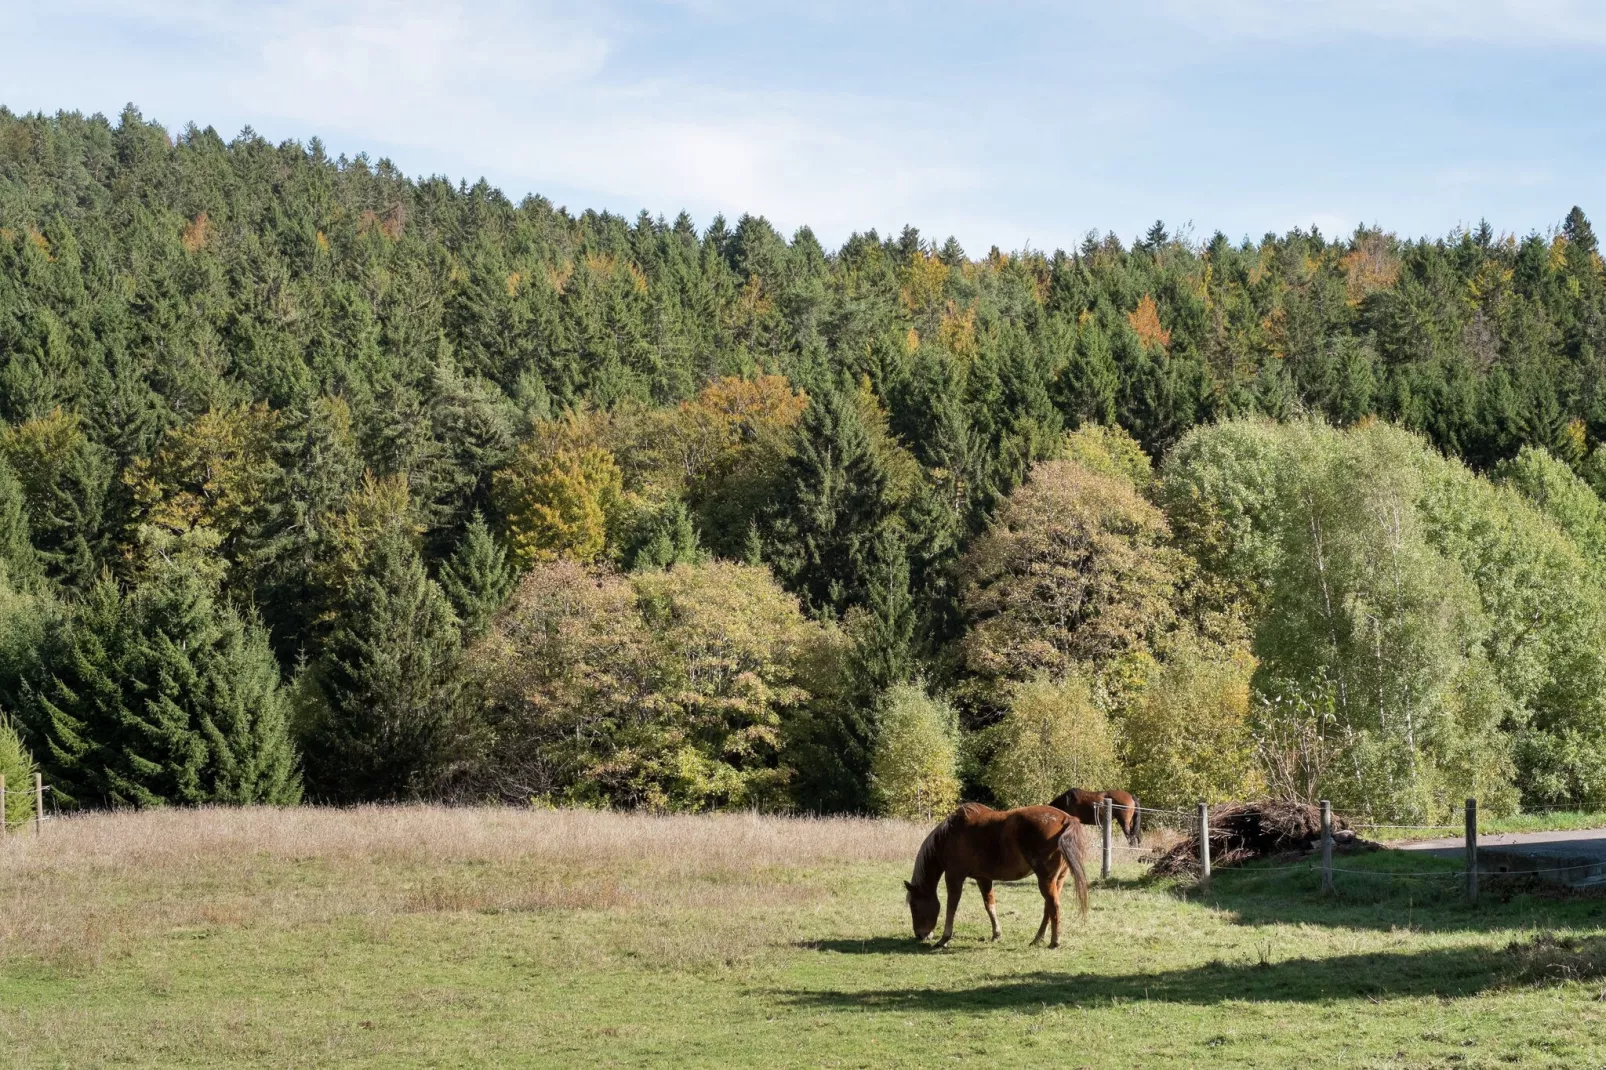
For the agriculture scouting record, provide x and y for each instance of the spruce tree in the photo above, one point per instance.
(159, 696)
(884, 643)
(668, 538)
(477, 578)
(17, 555)
(388, 679)
(831, 507)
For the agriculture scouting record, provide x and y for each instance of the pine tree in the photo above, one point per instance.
(17, 555)
(831, 507)
(884, 643)
(389, 685)
(667, 539)
(161, 696)
(477, 578)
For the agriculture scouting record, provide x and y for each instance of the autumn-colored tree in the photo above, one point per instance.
(914, 771)
(216, 475)
(557, 504)
(663, 689)
(1187, 736)
(1145, 321)
(1075, 571)
(1053, 737)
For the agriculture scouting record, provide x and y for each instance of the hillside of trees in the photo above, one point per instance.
(319, 482)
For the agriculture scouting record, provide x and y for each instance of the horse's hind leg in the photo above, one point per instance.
(956, 885)
(989, 901)
(1049, 885)
(1042, 886)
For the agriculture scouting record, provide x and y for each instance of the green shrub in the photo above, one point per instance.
(16, 765)
(914, 772)
(1053, 737)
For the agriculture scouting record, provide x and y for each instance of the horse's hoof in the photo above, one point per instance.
(1052, 946)
(997, 935)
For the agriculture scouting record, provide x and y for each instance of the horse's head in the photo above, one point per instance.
(923, 909)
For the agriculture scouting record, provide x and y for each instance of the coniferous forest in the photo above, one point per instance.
(322, 483)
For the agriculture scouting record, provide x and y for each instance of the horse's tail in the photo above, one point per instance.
(1136, 832)
(1070, 844)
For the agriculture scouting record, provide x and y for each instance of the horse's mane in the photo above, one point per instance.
(929, 862)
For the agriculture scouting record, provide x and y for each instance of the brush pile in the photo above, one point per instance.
(1240, 832)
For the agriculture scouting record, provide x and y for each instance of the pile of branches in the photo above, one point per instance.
(1240, 832)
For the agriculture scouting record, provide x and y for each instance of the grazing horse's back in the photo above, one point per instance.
(1084, 805)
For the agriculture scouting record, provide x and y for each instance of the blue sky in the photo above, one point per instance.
(1008, 123)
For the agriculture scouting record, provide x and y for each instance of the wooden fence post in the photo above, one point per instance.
(1472, 850)
(38, 804)
(1327, 846)
(1106, 808)
(1204, 843)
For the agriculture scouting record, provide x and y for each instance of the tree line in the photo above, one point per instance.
(321, 482)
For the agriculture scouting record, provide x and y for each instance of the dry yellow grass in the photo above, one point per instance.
(93, 884)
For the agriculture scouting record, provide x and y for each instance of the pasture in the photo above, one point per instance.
(434, 937)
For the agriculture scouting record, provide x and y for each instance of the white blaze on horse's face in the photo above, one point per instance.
(923, 910)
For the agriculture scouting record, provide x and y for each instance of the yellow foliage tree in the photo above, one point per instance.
(923, 282)
(1054, 737)
(557, 504)
(212, 476)
(1187, 737)
(375, 508)
(914, 770)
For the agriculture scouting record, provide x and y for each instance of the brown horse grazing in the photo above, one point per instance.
(1084, 805)
(980, 843)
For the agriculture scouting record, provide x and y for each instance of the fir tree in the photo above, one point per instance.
(477, 578)
(17, 555)
(667, 539)
(389, 684)
(161, 696)
(832, 506)
(884, 643)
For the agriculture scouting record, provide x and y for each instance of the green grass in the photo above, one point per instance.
(791, 966)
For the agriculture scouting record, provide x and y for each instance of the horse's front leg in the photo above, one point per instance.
(990, 901)
(956, 885)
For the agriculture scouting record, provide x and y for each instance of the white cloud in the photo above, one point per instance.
(1495, 22)
(538, 94)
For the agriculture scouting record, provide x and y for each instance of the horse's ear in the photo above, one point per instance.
(908, 886)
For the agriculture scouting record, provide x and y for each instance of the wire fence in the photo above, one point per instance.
(37, 790)
(1188, 824)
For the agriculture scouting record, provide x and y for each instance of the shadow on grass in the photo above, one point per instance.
(1447, 974)
(875, 945)
(1385, 891)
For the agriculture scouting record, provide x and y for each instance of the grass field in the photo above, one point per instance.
(430, 937)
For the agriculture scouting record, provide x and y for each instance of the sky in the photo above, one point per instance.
(1016, 123)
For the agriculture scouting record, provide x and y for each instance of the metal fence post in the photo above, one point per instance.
(1105, 814)
(1327, 846)
(1204, 843)
(38, 804)
(1472, 850)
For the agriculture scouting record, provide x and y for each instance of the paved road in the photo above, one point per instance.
(1576, 858)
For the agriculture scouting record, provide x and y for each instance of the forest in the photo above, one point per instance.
(322, 483)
